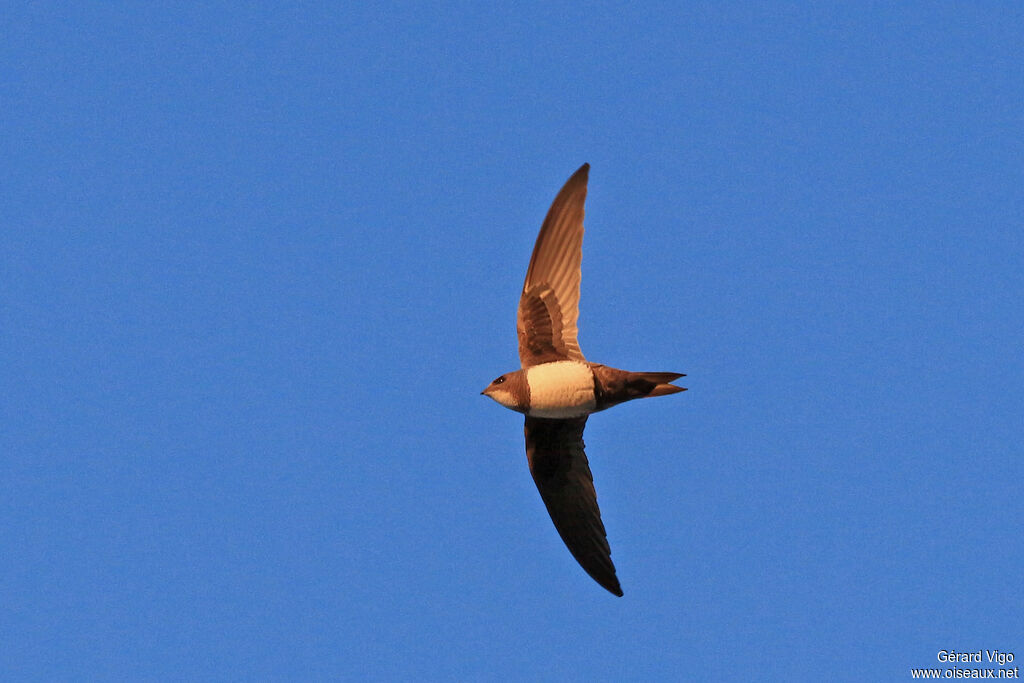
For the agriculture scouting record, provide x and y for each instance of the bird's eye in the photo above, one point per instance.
(499, 380)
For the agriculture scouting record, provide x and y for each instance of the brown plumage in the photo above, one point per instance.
(557, 388)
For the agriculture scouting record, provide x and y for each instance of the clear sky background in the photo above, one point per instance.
(257, 264)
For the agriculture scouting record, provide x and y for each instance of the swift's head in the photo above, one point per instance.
(510, 390)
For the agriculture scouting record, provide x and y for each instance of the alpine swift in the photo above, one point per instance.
(557, 388)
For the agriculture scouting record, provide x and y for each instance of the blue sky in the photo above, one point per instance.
(258, 263)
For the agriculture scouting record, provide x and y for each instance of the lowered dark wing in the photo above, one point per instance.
(560, 469)
(549, 305)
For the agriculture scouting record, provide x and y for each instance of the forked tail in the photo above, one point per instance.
(662, 382)
(613, 386)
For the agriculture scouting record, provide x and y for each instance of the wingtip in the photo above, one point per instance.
(610, 584)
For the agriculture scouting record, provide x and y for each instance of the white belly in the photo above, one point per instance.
(561, 389)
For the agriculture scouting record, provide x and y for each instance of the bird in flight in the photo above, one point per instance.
(557, 388)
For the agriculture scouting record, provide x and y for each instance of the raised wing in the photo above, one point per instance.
(560, 469)
(549, 305)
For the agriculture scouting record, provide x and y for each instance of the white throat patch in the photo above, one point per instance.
(561, 389)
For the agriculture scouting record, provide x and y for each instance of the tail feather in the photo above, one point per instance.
(615, 386)
(665, 390)
(661, 380)
(658, 377)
